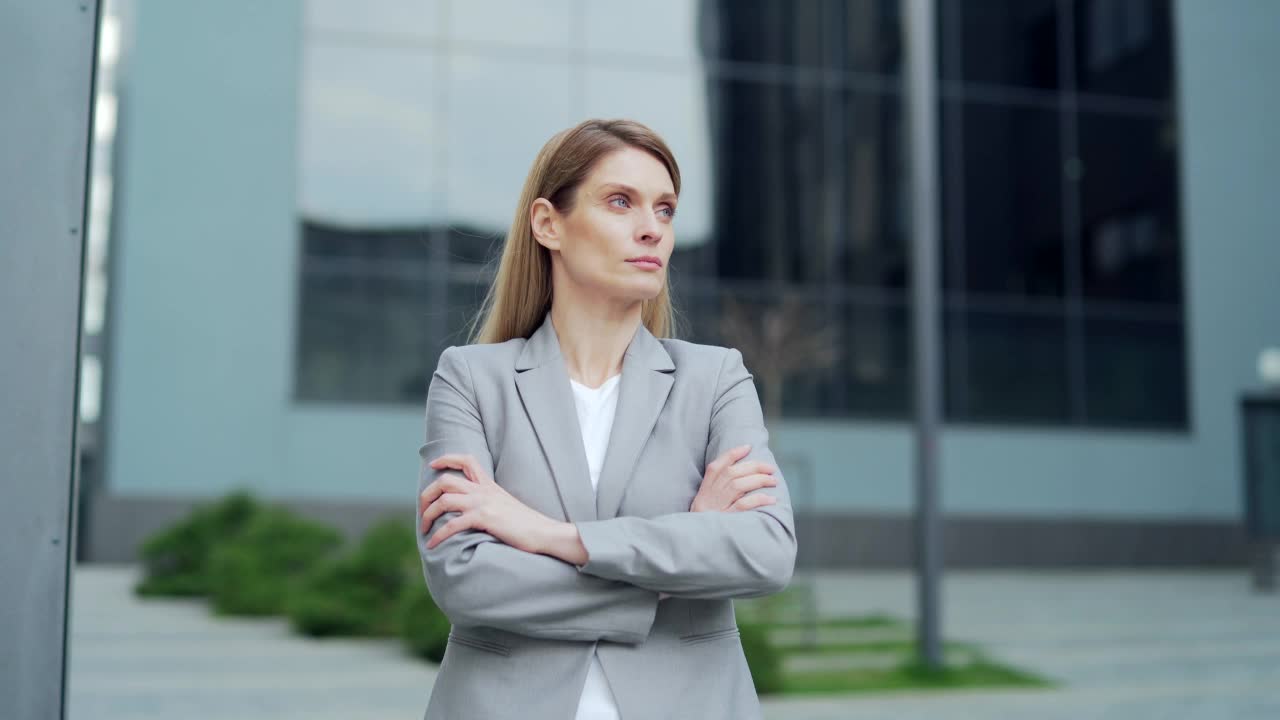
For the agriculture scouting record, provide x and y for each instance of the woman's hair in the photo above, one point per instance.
(520, 295)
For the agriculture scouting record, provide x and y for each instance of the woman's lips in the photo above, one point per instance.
(646, 263)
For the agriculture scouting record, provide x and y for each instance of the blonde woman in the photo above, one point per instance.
(594, 493)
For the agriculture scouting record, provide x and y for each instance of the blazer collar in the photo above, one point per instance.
(543, 383)
(544, 347)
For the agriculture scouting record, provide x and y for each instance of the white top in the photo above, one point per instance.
(596, 408)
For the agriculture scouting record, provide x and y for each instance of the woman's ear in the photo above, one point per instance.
(544, 221)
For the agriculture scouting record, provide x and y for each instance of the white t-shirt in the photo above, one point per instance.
(596, 408)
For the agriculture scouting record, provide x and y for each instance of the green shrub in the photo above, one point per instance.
(256, 571)
(762, 657)
(424, 627)
(360, 594)
(176, 560)
(335, 599)
(389, 554)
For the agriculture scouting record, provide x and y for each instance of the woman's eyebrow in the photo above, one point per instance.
(664, 197)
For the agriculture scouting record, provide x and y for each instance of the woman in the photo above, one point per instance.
(592, 497)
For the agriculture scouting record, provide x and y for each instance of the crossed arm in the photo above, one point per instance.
(477, 579)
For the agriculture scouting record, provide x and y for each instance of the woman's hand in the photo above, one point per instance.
(484, 505)
(727, 482)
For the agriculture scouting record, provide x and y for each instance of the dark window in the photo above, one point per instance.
(1061, 238)
(1000, 42)
(1008, 200)
(848, 35)
(1124, 48)
(1129, 208)
(1013, 364)
(373, 319)
(1136, 374)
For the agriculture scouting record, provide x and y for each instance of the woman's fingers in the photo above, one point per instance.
(449, 482)
(449, 502)
(746, 483)
(724, 460)
(750, 467)
(435, 509)
(456, 525)
(466, 463)
(751, 502)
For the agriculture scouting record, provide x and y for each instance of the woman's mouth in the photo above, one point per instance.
(647, 262)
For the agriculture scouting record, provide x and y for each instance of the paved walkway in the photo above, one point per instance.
(1132, 644)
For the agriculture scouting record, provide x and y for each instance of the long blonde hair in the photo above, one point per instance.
(520, 295)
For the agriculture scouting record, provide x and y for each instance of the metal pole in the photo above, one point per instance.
(46, 79)
(922, 112)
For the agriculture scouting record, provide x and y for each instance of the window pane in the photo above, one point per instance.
(676, 29)
(489, 154)
(771, 217)
(1006, 197)
(869, 36)
(394, 18)
(874, 356)
(370, 132)
(363, 332)
(820, 198)
(490, 24)
(850, 35)
(1000, 42)
(1135, 371)
(834, 354)
(867, 177)
(1015, 366)
(1129, 208)
(1124, 48)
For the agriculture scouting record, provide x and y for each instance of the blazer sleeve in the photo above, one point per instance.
(707, 555)
(476, 579)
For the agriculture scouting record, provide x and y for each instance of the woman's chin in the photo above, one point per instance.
(636, 291)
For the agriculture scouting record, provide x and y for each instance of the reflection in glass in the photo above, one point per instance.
(545, 24)
(382, 19)
(670, 30)
(776, 221)
(364, 302)
(1007, 199)
(822, 183)
(1124, 48)
(1135, 370)
(1129, 208)
(1016, 366)
(500, 112)
(860, 36)
(1000, 42)
(369, 135)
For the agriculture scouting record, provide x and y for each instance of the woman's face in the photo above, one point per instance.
(617, 239)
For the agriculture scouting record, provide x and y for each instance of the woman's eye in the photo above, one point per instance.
(619, 199)
(670, 211)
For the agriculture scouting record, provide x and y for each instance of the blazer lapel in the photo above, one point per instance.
(642, 392)
(543, 384)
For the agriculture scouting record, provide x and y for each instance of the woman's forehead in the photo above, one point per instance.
(631, 170)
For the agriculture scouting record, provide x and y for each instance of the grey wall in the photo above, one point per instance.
(205, 246)
(46, 71)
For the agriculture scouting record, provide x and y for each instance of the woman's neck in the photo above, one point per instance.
(593, 336)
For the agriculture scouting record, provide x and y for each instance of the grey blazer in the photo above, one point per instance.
(525, 625)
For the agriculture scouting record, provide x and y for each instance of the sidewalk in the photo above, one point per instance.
(1125, 644)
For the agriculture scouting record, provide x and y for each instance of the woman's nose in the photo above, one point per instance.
(650, 232)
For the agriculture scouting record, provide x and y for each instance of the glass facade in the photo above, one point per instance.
(1061, 237)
